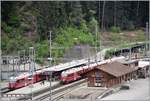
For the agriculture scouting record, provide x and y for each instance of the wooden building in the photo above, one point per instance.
(143, 69)
(142, 66)
(130, 63)
(110, 74)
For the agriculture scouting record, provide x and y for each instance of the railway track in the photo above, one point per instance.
(59, 92)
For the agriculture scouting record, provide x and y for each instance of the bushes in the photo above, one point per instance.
(42, 51)
(130, 26)
(12, 45)
(71, 36)
(14, 21)
(140, 36)
(115, 29)
(6, 28)
(109, 53)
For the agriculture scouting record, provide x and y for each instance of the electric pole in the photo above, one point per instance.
(115, 13)
(130, 53)
(18, 61)
(31, 67)
(50, 74)
(96, 42)
(24, 59)
(100, 42)
(147, 46)
(0, 74)
(103, 15)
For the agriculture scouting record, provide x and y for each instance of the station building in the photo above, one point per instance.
(110, 74)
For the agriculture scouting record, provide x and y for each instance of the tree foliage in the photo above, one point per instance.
(71, 22)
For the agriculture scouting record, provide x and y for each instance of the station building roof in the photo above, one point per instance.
(116, 69)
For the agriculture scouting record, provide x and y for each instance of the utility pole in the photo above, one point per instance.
(24, 59)
(103, 15)
(147, 46)
(13, 66)
(149, 38)
(50, 74)
(0, 73)
(130, 54)
(18, 61)
(115, 13)
(96, 42)
(100, 35)
(31, 67)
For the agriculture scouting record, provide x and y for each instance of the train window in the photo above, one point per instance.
(64, 74)
(20, 80)
(71, 75)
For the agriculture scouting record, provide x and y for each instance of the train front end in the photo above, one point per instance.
(69, 77)
(12, 83)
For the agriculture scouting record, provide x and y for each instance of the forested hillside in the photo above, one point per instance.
(27, 23)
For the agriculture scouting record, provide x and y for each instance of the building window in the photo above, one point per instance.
(97, 77)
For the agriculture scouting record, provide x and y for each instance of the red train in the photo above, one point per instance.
(25, 78)
(66, 73)
(76, 73)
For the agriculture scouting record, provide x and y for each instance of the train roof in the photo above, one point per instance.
(92, 65)
(24, 75)
(54, 68)
(67, 65)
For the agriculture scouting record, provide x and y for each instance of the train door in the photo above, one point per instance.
(12, 83)
(20, 83)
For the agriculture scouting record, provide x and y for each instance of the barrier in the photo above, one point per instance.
(14, 95)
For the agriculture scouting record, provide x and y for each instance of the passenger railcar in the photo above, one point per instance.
(24, 79)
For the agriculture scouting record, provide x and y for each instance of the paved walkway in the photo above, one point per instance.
(139, 90)
(3, 84)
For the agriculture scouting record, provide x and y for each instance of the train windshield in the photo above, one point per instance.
(64, 73)
(12, 79)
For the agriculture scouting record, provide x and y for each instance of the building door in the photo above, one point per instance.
(97, 78)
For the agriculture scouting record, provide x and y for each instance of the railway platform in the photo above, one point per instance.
(31, 89)
(4, 84)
